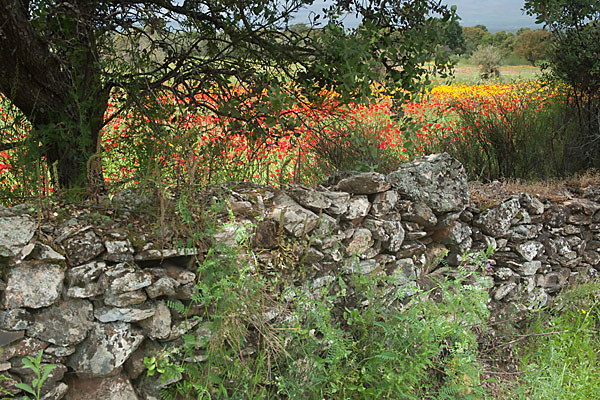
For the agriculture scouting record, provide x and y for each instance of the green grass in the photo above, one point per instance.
(561, 359)
(468, 73)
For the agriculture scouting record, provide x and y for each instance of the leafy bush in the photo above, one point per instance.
(488, 59)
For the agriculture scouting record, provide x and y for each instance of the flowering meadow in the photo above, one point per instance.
(177, 145)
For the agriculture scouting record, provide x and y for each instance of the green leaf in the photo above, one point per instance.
(26, 387)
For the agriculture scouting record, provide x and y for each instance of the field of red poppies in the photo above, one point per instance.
(179, 146)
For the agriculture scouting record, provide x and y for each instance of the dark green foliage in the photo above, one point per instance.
(573, 59)
(533, 45)
(67, 57)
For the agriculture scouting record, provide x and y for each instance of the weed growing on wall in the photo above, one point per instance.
(354, 337)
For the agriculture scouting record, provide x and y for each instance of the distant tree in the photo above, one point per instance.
(502, 40)
(533, 45)
(472, 36)
(61, 60)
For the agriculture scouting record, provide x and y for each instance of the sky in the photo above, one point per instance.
(496, 15)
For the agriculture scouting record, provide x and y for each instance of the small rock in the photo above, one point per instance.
(123, 314)
(118, 250)
(165, 286)
(340, 201)
(296, 220)
(130, 282)
(15, 319)
(358, 207)
(384, 203)
(159, 325)
(529, 250)
(116, 387)
(83, 248)
(504, 291)
(125, 299)
(64, 324)
(309, 198)
(16, 231)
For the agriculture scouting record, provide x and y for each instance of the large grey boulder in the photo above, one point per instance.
(437, 180)
(33, 285)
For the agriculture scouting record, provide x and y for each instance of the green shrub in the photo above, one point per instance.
(488, 58)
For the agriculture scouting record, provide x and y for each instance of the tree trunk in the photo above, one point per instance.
(64, 99)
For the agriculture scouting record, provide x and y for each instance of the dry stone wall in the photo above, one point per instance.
(96, 303)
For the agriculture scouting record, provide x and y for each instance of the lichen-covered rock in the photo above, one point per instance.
(340, 202)
(22, 348)
(364, 183)
(504, 290)
(419, 213)
(64, 323)
(34, 285)
(15, 319)
(524, 232)
(159, 255)
(390, 233)
(123, 314)
(159, 325)
(83, 248)
(165, 286)
(118, 250)
(360, 242)
(532, 204)
(438, 180)
(45, 253)
(309, 198)
(106, 348)
(496, 221)
(403, 271)
(363, 267)
(297, 221)
(116, 387)
(529, 250)
(384, 203)
(16, 231)
(556, 215)
(585, 206)
(528, 268)
(125, 299)
(358, 207)
(130, 282)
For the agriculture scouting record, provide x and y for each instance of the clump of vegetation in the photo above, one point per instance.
(560, 360)
(488, 58)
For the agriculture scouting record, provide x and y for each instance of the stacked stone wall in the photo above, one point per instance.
(95, 300)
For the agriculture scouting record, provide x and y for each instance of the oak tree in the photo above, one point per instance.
(61, 59)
